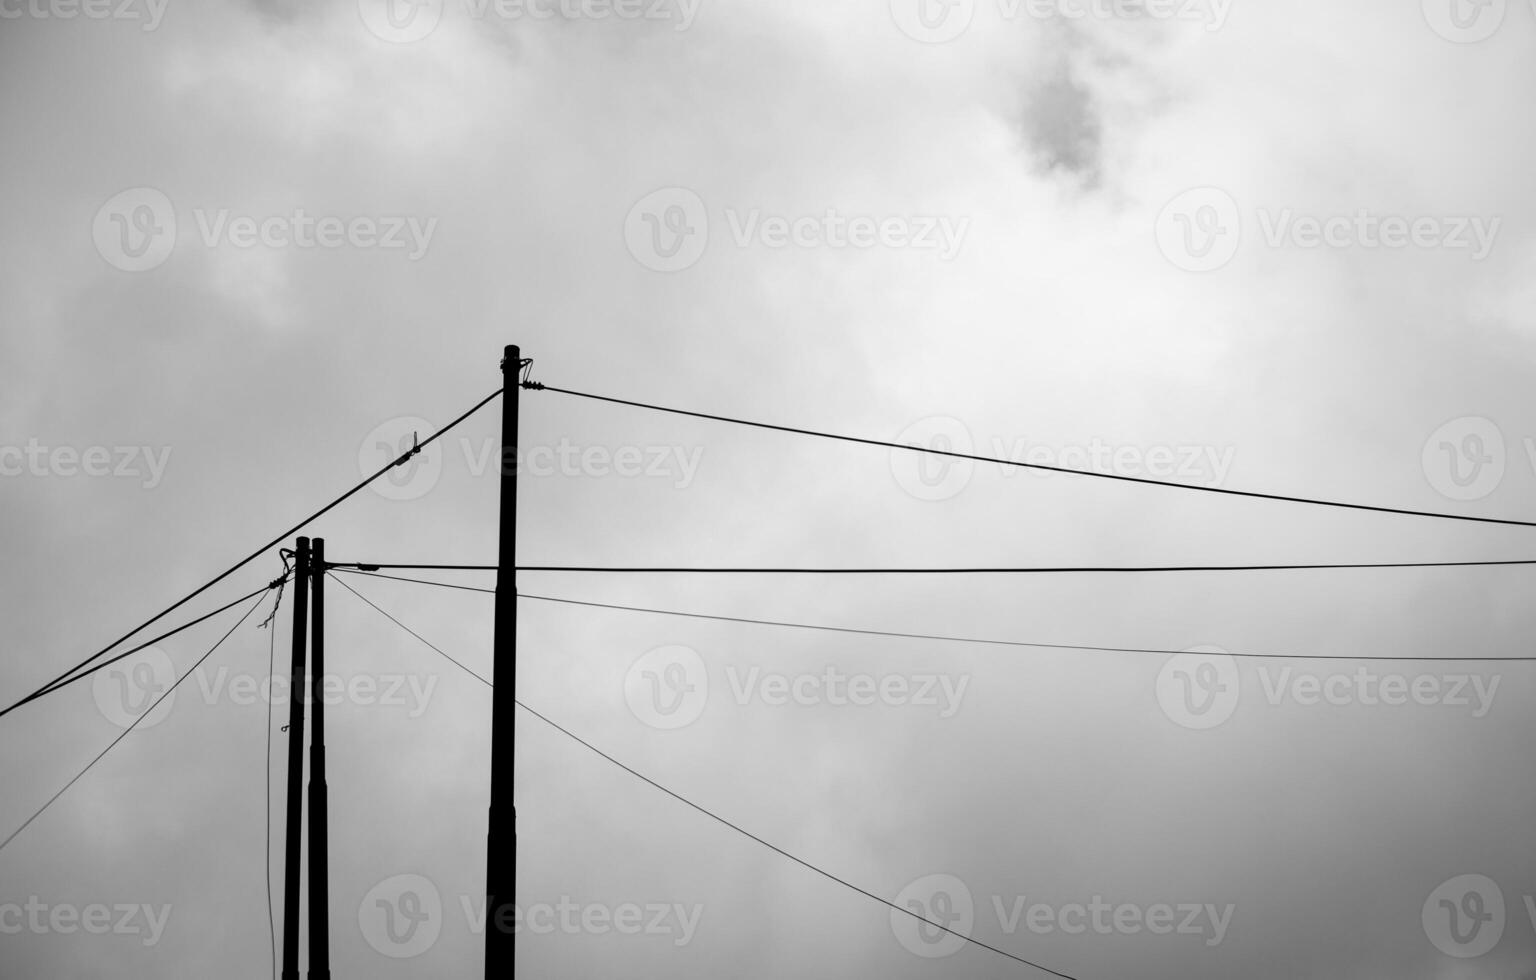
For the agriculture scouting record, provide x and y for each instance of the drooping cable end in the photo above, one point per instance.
(278, 584)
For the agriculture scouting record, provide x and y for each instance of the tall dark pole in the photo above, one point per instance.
(319, 893)
(291, 858)
(501, 842)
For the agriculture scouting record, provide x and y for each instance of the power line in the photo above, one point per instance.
(783, 853)
(722, 820)
(936, 570)
(1287, 498)
(132, 725)
(148, 643)
(367, 566)
(1004, 570)
(418, 581)
(418, 636)
(995, 642)
(61, 679)
(938, 637)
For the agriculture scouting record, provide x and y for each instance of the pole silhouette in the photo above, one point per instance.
(292, 854)
(319, 892)
(501, 841)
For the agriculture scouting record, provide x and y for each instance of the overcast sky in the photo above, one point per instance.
(1256, 245)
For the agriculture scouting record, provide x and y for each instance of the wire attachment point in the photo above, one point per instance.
(524, 369)
(415, 448)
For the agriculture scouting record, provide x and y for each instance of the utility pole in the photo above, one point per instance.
(291, 857)
(501, 841)
(319, 893)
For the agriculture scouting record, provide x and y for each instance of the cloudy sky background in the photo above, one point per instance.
(269, 371)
